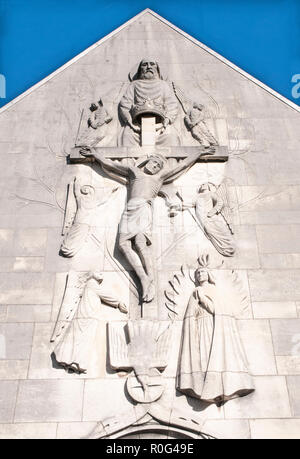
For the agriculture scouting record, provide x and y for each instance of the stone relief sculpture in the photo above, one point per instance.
(212, 363)
(146, 353)
(80, 214)
(194, 119)
(213, 214)
(95, 130)
(75, 332)
(148, 94)
(145, 182)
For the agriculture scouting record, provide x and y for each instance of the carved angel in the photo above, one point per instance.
(195, 120)
(212, 363)
(79, 216)
(76, 327)
(212, 213)
(95, 130)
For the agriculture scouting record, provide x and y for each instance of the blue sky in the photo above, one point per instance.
(260, 36)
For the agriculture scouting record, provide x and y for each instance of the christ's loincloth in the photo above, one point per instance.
(136, 219)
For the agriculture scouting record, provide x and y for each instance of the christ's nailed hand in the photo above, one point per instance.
(86, 151)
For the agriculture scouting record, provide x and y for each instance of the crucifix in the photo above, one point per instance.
(147, 162)
(146, 179)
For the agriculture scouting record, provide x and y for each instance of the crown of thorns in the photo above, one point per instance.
(159, 158)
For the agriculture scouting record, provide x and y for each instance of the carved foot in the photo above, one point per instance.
(149, 292)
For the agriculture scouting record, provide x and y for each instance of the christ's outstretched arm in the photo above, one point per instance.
(112, 166)
(183, 165)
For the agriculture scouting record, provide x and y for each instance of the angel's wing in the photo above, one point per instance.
(73, 292)
(234, 290)
(241, 295)
(161, 356)
(226, 211)
(186, 103)
(118, 349)
(70, 209)
(179, 291)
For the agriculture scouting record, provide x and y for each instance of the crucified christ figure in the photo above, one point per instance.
(135, 230)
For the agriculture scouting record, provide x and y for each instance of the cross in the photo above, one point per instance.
(181, 154)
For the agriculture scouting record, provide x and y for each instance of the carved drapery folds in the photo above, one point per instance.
(213, 215)
(194, 119)
(82, 204)
(95, 129)
(212, 364)
(148, 95)
(76, 327)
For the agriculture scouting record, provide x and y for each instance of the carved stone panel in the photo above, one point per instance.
(145, 205)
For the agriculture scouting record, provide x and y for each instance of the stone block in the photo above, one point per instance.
(3, 312)
(49, 401)
(271, 217)
(28, 431)
(41, 366)
(28, 264)
(75, 430)
(269, 400)
(293, 383)
(28, 313)
(227, 429)
(246, 256)
(26, 288)
(288, 364)
(280, 260)
(30, 242)
(236, 172)
(46, 219)
(286, 336)
(6, 264)
(258, 170)
(6, 241)
(13, 369)
(274, 309)
(275, 429)
(269, 199)
(8, 394)
(104, 398)
(278, 238)
(256, 335)
(17, 340)
(271, 285)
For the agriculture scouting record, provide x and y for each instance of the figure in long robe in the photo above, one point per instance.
(148, 94)
(212, 364)
(77, 324)
(210, 213)
(96, 126)
(87, 204)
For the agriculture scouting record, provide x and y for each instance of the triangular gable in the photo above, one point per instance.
(172, 26)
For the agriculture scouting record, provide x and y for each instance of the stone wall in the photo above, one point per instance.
(262, 134)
